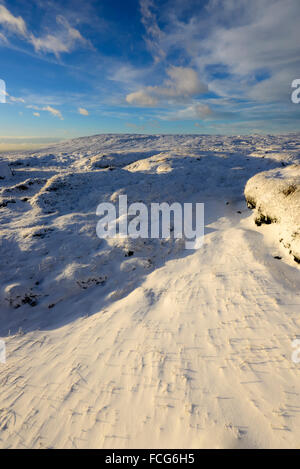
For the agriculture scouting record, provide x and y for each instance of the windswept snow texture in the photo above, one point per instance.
(127, 343)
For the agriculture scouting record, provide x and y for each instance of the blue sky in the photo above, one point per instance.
(148, 66)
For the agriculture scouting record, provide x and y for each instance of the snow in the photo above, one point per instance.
(275, 195)
(131, 343)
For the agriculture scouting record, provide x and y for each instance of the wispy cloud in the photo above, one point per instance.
(16, 100)
(3, 39)
(183, 82)
(247, 52)
(62, 39)
(12, 23)
(254, 46)
(154, 34)
(208, 60)
(195, 111)
(53, 111)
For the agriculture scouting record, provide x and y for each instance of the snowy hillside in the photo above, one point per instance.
(131, 343)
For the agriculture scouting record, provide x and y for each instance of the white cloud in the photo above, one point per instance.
(48, 108)
(49, 43)
(154, 33)
(195, 111)
(62, 39)
(11, 22)
(3, 38)
(83, 112)
(53, 111)
(183, 83)
(33, 106)
(266, 36)
(254, 44)
(192, 112)
(16, 100)
(128, 74)
(141, 98)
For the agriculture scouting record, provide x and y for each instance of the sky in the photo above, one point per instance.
(77, 68)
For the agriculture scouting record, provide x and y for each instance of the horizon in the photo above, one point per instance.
(16, 145)
(148, 67)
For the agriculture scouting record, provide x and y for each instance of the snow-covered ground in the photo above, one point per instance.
(126, 343)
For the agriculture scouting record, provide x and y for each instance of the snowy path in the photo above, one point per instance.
(197, 355)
